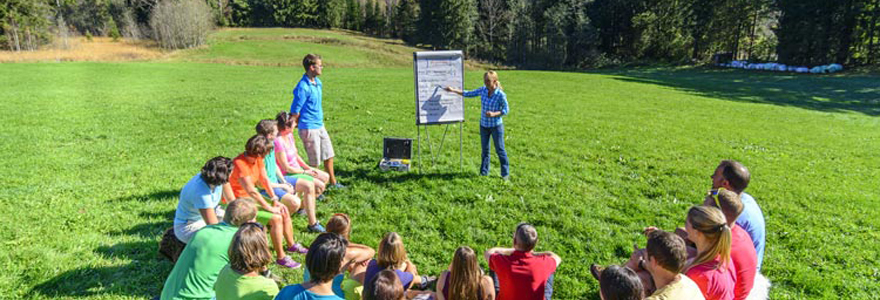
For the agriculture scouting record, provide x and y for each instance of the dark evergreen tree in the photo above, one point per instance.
(456, 24)
(406, 18)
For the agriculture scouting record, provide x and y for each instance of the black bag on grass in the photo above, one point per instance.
(170, 246)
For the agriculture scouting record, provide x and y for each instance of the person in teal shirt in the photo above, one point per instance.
(324, 261)
(284, 187)
(248, 256)
(206, 254)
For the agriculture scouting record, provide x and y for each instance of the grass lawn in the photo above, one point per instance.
(94, 156)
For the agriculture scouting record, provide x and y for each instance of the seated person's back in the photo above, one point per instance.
(323, 261)
(200, 262)
(522, 274)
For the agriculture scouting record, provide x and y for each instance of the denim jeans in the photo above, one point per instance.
(497, 135)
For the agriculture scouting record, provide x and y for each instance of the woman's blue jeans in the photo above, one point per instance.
(497, 135)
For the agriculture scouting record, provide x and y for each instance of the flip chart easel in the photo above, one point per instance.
(433, 71)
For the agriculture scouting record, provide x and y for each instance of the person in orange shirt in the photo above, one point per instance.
(248, 170)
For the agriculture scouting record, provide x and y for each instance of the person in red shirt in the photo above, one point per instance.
(247, 171)
(742, 250)
(522, 274)
(711, 269)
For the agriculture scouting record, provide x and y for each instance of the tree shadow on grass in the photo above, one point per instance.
(144, 274)
(376, 176)
(142, 277)
(828, 93)
(147, 231)
(155, 196)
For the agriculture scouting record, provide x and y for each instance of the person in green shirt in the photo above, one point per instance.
(206, 254)
(248, 256)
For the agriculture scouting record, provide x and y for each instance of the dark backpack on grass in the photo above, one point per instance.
(170, 246)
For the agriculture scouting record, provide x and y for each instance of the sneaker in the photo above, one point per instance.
(427, 281)
(298, 248)
(301, 212)
(320, 197)
(337, 186)
(288, 262)
(268, 274)
(317, 228)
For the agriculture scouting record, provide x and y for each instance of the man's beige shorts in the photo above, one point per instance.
(317, 144)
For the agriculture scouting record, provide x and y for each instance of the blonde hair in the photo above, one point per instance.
(710, 222)
(240, 211)
(493, 77)
(391, 251)
(340, 224)
(465, 278)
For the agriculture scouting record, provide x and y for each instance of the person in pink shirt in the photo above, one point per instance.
(287, 155)
(711, 269)
(742, 251)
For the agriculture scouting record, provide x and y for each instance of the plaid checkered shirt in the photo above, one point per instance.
(496, 102)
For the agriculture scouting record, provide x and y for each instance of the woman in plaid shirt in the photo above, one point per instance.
(493, 106)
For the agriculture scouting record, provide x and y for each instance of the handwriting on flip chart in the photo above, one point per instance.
(433, 73)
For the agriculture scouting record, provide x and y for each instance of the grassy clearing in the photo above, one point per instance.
(275, 46)
(94, 155)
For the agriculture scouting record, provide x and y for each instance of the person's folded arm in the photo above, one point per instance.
(252, 192)
(502, 251)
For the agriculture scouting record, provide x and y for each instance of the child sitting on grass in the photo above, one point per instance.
(248, 170)
(279, 183)
(200, 198)
(248, 257)
(384, 286)
(392, 256)
(325, 258)
(465, 279)
(356, 258)
(287, 155)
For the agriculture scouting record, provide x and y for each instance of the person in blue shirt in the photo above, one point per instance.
(325, 260)
(732, 175)
(199, 203)
(493, 104)
(307, 110)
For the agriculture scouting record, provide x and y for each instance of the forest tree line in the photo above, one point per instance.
(555, 34)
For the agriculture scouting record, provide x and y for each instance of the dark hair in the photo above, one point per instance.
(216, 171)
(620, 283)
(283, 120)
(249, 250)
(310, 60)
(257, 145)
(266, 126)
(527, 236)
(384, 286)
(668, 249)
(325, 256)
(736, 174)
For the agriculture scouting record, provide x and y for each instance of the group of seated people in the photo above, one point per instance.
(717, 255)
(228, 212)
(270, 167)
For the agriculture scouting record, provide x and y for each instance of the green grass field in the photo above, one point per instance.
(94, 155)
